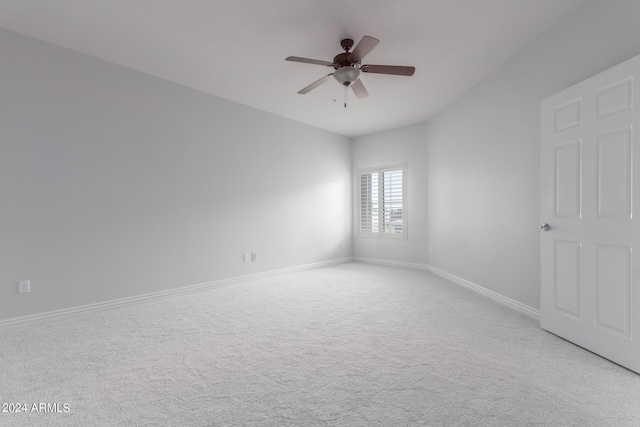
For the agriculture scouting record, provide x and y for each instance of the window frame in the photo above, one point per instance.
(380, 171)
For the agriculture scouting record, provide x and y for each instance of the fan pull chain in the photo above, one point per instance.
(346, 95)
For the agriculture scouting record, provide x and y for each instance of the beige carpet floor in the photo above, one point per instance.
(346, 345)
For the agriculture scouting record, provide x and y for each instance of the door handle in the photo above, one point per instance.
(545, 227)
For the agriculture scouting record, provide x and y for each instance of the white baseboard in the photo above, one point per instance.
(513, 304)
(390, 263)
(123, 302)
(138, 299)
(508, 302)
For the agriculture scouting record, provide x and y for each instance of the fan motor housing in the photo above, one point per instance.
(341, 60)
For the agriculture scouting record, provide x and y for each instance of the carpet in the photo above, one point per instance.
(346, 345)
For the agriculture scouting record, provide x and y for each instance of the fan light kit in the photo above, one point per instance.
(347, 66)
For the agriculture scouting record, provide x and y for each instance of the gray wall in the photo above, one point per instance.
(403, 145)
(483, 183)
(114, 183)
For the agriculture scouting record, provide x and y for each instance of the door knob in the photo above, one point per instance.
(545, 227)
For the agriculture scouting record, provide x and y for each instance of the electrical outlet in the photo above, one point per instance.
(246, 257)
(24, 286)
(254, 256)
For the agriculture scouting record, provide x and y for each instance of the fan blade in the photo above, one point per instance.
(359, 90)
(396, 70)
(363, 48)
(314, 84)
(309, 61)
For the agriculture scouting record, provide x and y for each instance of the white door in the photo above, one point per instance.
(590, 184)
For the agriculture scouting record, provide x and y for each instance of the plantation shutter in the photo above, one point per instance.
(382, 211)
(392, 202)
(369, 202)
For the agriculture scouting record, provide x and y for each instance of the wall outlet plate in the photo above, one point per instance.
(24, 286)
(246, 257)
(254, 256)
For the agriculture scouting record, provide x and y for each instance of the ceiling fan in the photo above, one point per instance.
(347, 66)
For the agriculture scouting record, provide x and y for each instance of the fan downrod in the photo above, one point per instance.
(342, 59)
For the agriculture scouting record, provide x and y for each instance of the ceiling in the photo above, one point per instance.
(235, 49)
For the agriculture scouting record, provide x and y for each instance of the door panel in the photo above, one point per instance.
(613, 289)
(567, 278)
(615, 98)
(568, 179)
(614, 173)
(568, 115)
(590, 291)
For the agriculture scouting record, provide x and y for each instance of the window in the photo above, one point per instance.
(382, 202)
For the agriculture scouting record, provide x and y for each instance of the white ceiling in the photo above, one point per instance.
(235, 49)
